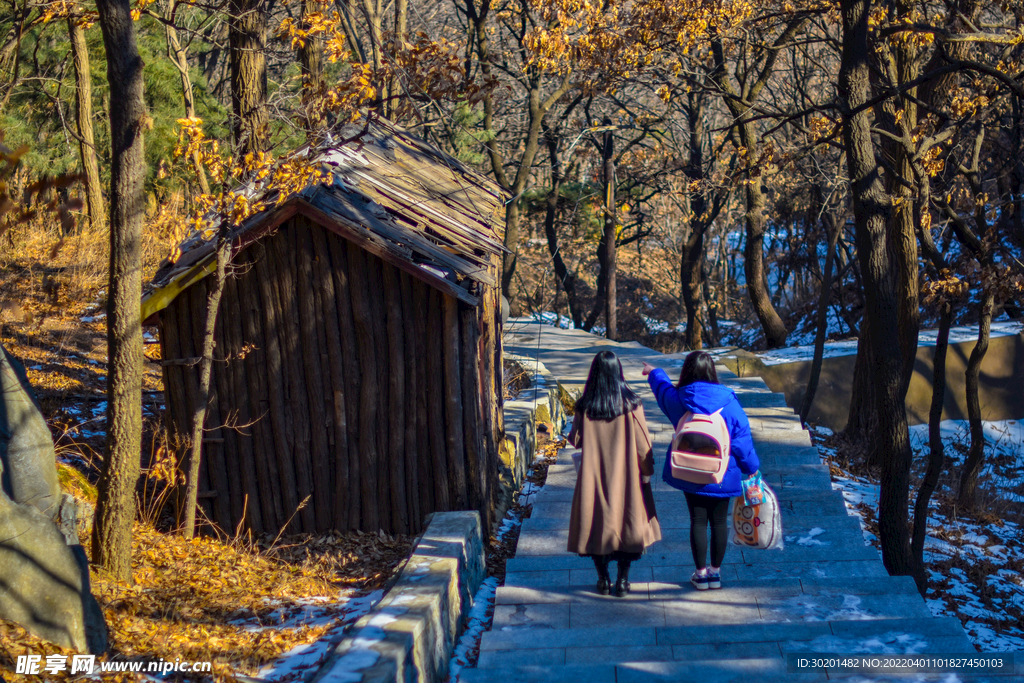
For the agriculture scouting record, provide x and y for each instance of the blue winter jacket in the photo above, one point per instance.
(706, 398)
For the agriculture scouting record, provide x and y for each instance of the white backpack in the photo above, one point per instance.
(700, 448)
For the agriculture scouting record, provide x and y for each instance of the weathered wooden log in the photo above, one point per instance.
(335, 363)
(488, 387)
(186, 325)
(234, 368)
(351, 495)
(472, 407)
(222, 414)
(282, 255)
(412, 441)
(368, 389)
(309, 319)
(175, 398)
(425, 462)
(258, 385)
(435, 402)
(277, 393)
(451, 394)
(399, 398)
(214, 454)
(378, 312)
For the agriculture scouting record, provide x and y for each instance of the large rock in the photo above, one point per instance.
(44, 582)
(26, 447)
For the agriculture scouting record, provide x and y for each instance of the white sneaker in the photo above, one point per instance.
(699, 581)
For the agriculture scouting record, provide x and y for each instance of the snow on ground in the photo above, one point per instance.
(296, 664)
(793, 354)
(480, 616)
(974, 567)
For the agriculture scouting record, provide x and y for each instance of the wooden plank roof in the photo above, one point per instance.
(399, 197)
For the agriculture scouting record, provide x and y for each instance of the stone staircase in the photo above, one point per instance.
(826, 592)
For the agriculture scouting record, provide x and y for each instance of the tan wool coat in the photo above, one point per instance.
(609, 509)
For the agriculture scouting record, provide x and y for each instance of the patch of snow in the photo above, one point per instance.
(810, 539)
(295, 663)
(805, 351)
(890, 643)
(549, 318)
(477, 623)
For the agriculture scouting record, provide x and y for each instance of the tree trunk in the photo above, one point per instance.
(871, 207)
(753, 265)
(690, 275)
(311, 59)
(83, 120)
(822, 323)
(702, 215)
(610, 312)
(936, 456)
(205, 370)
(372, 12)
(115, 507)
(179, 57)
(566, 279)
(247, 27)
(968, 494)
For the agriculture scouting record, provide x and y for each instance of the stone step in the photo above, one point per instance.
(731, 591)
(680, 573)
(672, 515)
(656, 558)
(734, 641)
(554, 541)
(768, 602)
(824, 504)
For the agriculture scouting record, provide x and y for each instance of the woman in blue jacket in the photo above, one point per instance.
(699, 391)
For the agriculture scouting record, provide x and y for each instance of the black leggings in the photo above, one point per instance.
(702, 509)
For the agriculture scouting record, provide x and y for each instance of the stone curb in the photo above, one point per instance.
(411, 633)
(541, 402)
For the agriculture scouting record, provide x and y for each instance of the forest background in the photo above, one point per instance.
(757, 172)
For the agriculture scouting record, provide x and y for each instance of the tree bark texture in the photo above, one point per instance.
(387, 384)
(247, 28)
(83, 121)
(881, 273)
(115, 508)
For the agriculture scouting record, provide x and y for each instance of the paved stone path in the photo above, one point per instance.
(825, 592)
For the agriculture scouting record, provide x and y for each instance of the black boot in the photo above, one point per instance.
(622, 581)
(603, 580)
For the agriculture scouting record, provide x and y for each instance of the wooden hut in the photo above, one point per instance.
(357, 364)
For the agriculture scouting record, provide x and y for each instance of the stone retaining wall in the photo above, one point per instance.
(1002, 372)
(540, 402)
(410, 634)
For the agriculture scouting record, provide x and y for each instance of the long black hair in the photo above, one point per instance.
(606, 394)
(699, 366)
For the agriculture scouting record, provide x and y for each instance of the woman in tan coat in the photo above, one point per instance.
(613, 516)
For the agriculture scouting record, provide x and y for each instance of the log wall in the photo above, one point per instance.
(346, 393)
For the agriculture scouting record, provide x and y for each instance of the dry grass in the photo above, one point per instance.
(225, 601)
